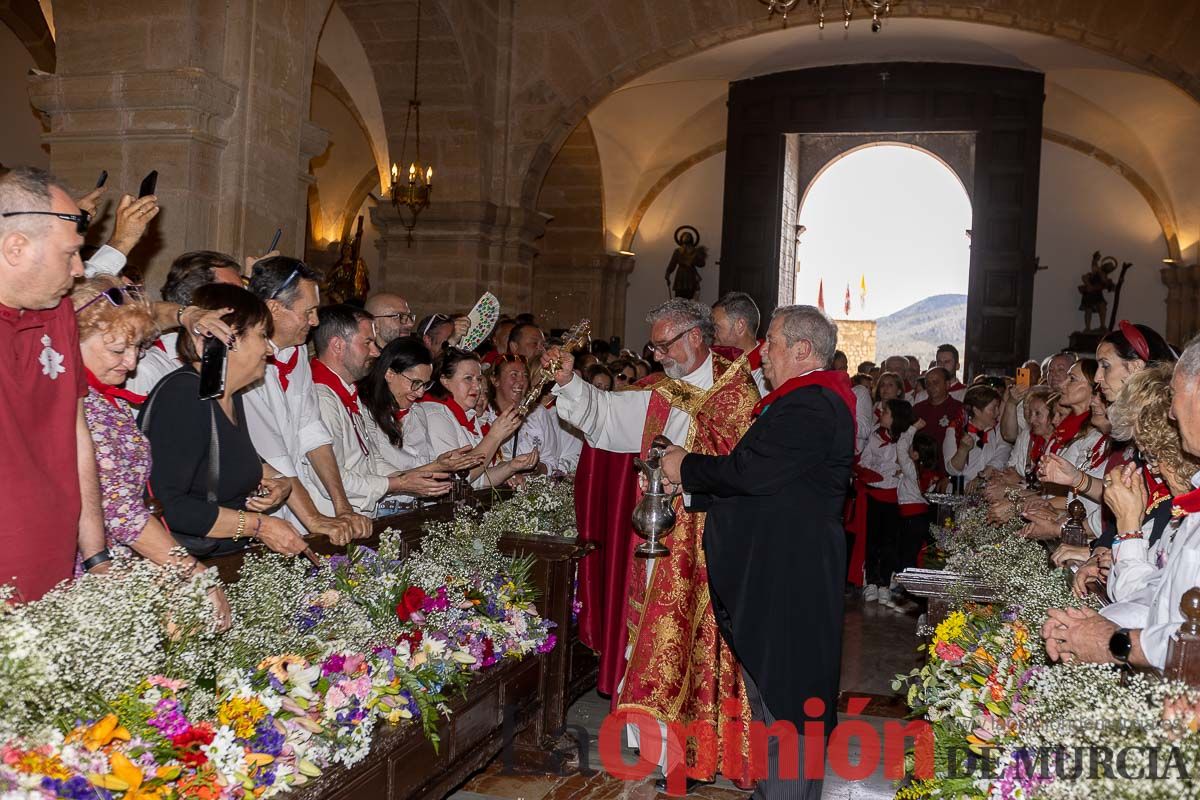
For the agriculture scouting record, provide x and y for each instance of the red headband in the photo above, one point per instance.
(1135, 338)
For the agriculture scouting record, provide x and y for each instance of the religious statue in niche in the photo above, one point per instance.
(686, 262)
(349, 278)
(1092, 288)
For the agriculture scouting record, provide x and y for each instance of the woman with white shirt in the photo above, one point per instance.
(509, 382)
(444, 419)
(974, 447)
(397, 380)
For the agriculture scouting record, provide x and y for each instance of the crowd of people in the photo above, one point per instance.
(328, 416)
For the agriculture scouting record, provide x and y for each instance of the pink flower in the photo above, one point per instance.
(948, 651)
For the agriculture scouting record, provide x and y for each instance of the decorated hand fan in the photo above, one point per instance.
(483, 319)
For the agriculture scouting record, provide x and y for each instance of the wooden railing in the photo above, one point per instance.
(517, 707)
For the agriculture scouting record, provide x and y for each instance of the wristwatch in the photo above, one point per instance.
(96, 560)
(1120, 645)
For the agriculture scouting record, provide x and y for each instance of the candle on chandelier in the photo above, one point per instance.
(412, 173)
(429, 177)
(395, 172)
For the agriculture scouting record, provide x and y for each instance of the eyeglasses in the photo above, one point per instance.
(403, 317)
(279, 289)
(621, 376)
(415, 384)
(116, 296)
(665, 346)
(81, 219)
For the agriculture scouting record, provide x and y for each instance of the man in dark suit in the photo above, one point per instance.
(774, 541)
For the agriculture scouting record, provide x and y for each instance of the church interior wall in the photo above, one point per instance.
(1084, 207)
(21, 133)
(338, 170)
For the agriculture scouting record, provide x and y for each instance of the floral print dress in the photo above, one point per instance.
(123, 467)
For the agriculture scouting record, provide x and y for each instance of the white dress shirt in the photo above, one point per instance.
(1155, 606)
(1080, 453)
(431, 429)
(615, 421)
(365, 485)
(285, 425)
(105, 261)
(864, 416)
(994, 453)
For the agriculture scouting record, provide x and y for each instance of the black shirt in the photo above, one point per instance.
(180, 432)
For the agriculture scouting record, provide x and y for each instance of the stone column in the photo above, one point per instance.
(212, 93)
(1171, 276)
(458, 251)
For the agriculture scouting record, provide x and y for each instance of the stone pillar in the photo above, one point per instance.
(213, 94)
(1190, 319)
(1171, 276)
(459, 251)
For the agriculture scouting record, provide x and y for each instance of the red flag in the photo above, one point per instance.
(821, 294)
(847, 299)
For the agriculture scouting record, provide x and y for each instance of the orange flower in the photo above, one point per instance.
(125, 777)
(103, 733)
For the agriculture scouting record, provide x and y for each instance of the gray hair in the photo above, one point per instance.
(740, 305)
(1188, 364)
(25, 189)
(810, 324)
(685, 312)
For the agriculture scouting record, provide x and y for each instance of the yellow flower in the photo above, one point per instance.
(948, 629)
(242, 714)
(34, 763)
(278, 665)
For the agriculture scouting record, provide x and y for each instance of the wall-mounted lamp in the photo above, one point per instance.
(1172, 262)
(628, 253)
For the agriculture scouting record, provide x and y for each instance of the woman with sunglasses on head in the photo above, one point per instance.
(445, 419)
(206, 472)
(114, 322)
(397, 380)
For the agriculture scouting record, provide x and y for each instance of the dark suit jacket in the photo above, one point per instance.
(776, 548)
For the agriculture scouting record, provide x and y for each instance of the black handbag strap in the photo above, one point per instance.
(214, 443)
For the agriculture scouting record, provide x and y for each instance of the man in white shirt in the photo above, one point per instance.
(281, 409)
(736, 319)
(393, 317)
(1139, 630)
(344, 340)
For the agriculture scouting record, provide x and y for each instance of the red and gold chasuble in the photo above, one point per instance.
(680, 669)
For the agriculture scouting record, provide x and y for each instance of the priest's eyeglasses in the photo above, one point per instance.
(81, 219)
(117, 296)
(665, 346)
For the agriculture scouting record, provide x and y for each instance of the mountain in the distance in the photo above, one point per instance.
(919, 328)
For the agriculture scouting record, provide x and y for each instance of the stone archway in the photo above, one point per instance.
(629, 38)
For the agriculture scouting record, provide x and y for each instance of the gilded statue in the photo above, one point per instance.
(349, 278)
(686, 262)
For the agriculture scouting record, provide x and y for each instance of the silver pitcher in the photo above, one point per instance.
(654, 515)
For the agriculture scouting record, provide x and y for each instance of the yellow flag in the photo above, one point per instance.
(862, 290)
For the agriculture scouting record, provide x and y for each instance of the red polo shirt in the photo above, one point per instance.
(41, 382)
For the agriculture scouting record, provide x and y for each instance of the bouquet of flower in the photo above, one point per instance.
(541, 506)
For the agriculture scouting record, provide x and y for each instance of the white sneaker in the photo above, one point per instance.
(885, 596)
(871, 593)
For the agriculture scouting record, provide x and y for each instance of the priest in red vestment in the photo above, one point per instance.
(679, 669)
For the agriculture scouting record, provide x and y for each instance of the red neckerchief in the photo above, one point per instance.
(111, 393)
(981, 436)
(954, 387)
(927, 479)
(1037, 448)
(324, 376)
(159, 344)
(1185, 504)
(836, 381)
(401, 413)
(884, 435)
(1156, 490)
(754, 357)
(284, 368)
(455, 409)
(1067, 430)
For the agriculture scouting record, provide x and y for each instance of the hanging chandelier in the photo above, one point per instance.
(413, 194)
(878, 9)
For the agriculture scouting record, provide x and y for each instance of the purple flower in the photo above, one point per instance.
(75, 788)
(167, 718)
(548, 645)
(335, 663)
(1010, 614)
(267, 739)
